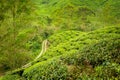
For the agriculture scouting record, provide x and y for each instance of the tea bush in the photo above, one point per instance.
(93, 56)
(74, 44)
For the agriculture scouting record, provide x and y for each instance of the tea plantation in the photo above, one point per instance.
(74, 55)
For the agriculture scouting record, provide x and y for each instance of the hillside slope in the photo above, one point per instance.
(67, 25)
(94, 55)
(78, 14)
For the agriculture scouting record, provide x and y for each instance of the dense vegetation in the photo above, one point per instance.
(94, 57)
(83, 39)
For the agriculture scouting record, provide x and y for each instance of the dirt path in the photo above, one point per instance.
(44, 47)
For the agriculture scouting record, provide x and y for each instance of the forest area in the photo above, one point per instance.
(59, 39)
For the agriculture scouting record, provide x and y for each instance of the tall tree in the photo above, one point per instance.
(14, 15)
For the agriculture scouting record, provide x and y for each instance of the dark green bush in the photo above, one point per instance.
(11, 77)
(55, 71)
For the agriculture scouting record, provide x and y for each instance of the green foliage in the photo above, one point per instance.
(71, 54)
(111, 69)
(75, 43)
(11, 77)
(54, 71)
(14, 61)
(14, 20)
(110, 12)
(98, 56)
(78, 14)
(97, 61)
(63, 37)
(77, 64)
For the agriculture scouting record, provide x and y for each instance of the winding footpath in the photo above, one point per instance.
(44, 48)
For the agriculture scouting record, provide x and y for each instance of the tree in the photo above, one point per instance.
(14, 16)
(111, 12)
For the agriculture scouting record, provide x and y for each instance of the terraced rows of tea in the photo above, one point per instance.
(90, 50)
(77, 55)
